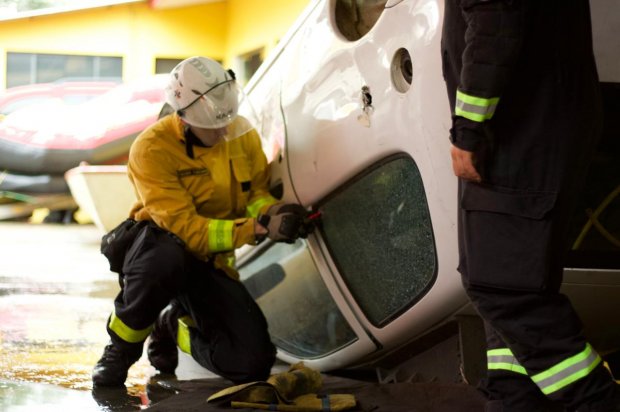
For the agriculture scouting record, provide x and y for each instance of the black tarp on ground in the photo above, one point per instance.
(371, 397)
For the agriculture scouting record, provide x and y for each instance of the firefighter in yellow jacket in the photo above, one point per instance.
(201, 180)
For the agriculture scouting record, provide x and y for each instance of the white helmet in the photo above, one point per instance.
(202, 93)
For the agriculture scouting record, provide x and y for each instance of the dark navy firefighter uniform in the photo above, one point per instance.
(524, 94)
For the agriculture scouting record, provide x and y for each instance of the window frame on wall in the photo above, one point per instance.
(85, 67)
(165, 65)
(245, 68)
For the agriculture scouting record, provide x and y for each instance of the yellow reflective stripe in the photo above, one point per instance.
(475, 108)
(220, 234)
(511, 367)
(567, 371)
(503, 359)
(476, 101)
(253, 209)
(125, 332)
(183, 336)
(500, 352)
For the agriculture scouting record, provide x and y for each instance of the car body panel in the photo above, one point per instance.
(321, 136)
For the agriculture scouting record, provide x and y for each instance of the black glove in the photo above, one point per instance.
(307, 225)
(287, 208)
(283, 227)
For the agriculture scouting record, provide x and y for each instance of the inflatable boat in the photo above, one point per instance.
(50, 137)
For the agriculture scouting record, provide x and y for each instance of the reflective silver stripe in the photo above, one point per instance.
(480, 113)
(567, 371)
(475, 108)
(503, 359)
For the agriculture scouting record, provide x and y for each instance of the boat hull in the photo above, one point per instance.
(102, 192)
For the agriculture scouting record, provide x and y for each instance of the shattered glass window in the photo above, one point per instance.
(378, 231)
(302, 316)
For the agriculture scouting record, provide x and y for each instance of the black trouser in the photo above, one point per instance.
(541, 331)
(230, 338)
(511, 266)
(512, 391)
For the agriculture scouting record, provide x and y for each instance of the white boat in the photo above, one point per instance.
(102, 192)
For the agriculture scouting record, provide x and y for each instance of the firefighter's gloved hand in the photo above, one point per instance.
(307, 225)
(283, 227)
(287, 208)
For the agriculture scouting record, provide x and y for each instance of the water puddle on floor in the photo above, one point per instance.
(56, 294)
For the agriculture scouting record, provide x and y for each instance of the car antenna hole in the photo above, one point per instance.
(402, 70)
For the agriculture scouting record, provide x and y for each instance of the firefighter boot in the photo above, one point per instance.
(111, 369)
(162, 348)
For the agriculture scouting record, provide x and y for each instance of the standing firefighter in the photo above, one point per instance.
(523, 90)
(201, 179)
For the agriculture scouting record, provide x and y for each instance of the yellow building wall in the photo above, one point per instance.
(259, 24)
(139, 34)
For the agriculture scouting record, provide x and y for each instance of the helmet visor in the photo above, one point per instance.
(246, 119)
(214, 108)
(229, 111)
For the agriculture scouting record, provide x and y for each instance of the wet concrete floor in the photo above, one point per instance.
(56, 293)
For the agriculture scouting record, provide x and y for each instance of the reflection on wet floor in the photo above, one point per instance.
(31, 397)
(56, 293)
(54, 339)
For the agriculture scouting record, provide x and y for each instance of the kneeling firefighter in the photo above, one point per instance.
(201, 180)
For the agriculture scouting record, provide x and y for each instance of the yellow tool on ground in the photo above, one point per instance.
(294, 390)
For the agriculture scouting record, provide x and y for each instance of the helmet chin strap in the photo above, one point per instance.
(208, 137)
(192, 139)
